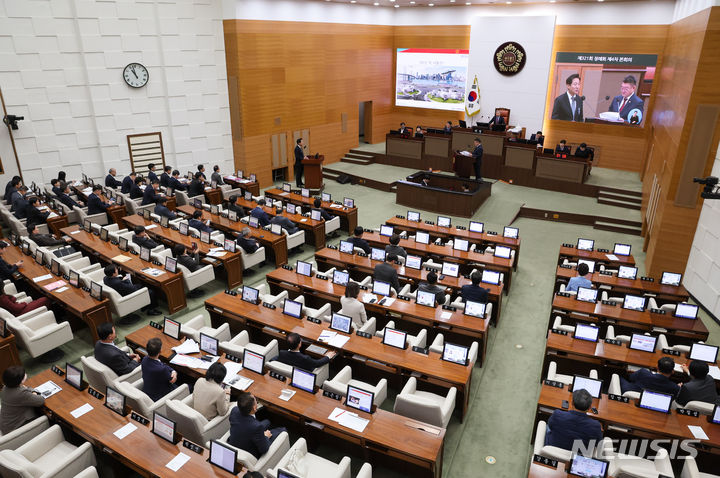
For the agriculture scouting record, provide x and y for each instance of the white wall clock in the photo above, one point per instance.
(136, 75)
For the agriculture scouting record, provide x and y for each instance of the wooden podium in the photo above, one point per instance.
(313, 172)
(464, 166)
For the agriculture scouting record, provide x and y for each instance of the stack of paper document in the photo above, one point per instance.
(231, 177)
(82, 410)
(42, 278)
(239, 382)
(612, 257)
(151, 271)
(327, 335)
(714, 372)
(52, 215)
(232, 369)
(367, 297)
(54, 285)
(348, 419)
(192, 362)
(48, 389)
(150, 226)
(187, 347)
(388, 301)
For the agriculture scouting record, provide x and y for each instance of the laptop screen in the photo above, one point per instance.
(586, 332)
(74, 279)
(451, 269)
(413, 262)
(460, 245)
(103, 234)
(622, 249)
(171, 328)
(359, 399)
(326, 197)
(588, 467)
(223, 457)
(585, 244)
(502, 251)
(2, 327)
(303, 268)
(340, 277)
(96, 291)
(644, 343)
(490, 277)
(386, 230)
(443, 221)
(205, 237)
(377, 254)
(381, 288)
(511, 232)
(686, 311)
(292, 308)
(591, 385)
(426, 298)
(305, 192)
(183, 228)
(253, 361)
(475, 309)
(208, 344)
(586, 294)
(115, 400)
(145, 253)
(253, 221)
(346, 247)
(422, 237)
(348, 202)
(163, 427)
(303, 380)
(341, 323)
(590, 264)
(413, 216)
(395, 338)
(232, 216)
(73, 376)
(248, 196)
(170, 264)
(670, 278)
(229, 245)
(660, 402)
(634, 302)
(250, 295)
(703, 352)
(455, 353)
(476, 226)
(315, 215)
(627, 272)
(286, 187)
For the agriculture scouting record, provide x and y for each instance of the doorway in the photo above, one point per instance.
(365, 122)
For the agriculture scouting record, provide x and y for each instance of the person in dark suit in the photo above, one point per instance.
(358, 241)
(387, 273)
(136, 191)
(562, 148)
(216, 176)
(584, 152)
(538, 137)
(33, 214)
(45, 240)
(95, 203)
(151, 173)
(201, 171)
(110, 181)
(233, 206)
(448, 127)
(7, 270)
(418, 132)
(164, 177)
(473, 291)
(497, 119)
(56, 186)
(477, 156)
(285, 223)
(20, 203)
(645, 379)
(701, 386)
(299, 156)
(404, 129)
(190, 262)
(247, 432)
(151, 194)
(627, 100)
(11, 187)
(174, 182)
(430, 285)
(142, 239)
(158, 378)
(110, 355)
(394, 247)
(196, 186)
(258, 212)
(244, 240)
(64, 196)
(295, 358)
(566, 426)
(569, 105)
(128, 182)
(196, 222)
(124, 287)
(317, 205)
(161, 208)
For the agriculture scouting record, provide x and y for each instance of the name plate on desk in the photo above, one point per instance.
(139, 418)
(56, 370)
(554, 383)
(334, 396)
(449, 307)
(268, 305)
(604, 251)
(462, 228)
(690, 413)
(368, 230)
(278, 376)
(332, 247)
(361, 254)
(566, 266)
(545, 461)
(321, 277)
(658, 311)
(399, 216)
(558, 331)
(364, 335)
(611, 303)
(287, 267)
(647, 279)
(363, 287)
(232, 358)
(671, 352)
(230, 292)
(192, 446)
(606, 273)
(430, 222)
(492, 233)
(564, 294)
(420, 350)
(95, 393)
(404, 297)
(314, 320)
(618, 398)
(567, 244)
(613, 342)
(156, 325)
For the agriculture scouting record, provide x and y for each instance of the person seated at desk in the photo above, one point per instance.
(197, 223)
(164, 177)
(11, 187)
(136, 191)
(62, 176)
(404, 129)
(260, 214)
(7, 270)
(55, 183)
(128, 182)
(201, 172)
(124, 287)
(394, 248)
(248, 244)
(216, 176)
(473, 291)
(110, 181)
(358, 241)
(387, 273)
(175, 183)
(584, 152)
(35, 215)
(246, 431)
(292, 356)
(110, 355)
(151, 173)
(151, 193)
(162, 210)
(418, 132)
(317, 205)
(209, 398)
(232, 205)
(562, 148)
(425, 180)
(10, 303)
(645, 379)
(95, 203)
(64, 196)
(566, 426)
(197, 185)
(142, 239)
(448, 127)
(351, 306)
(20, 203)
(580, 280)
(430, 285)
(45, 240)
(286, 224)
(190, 262)
(701, 386)
(497, 120)
(18, 404)
(158, 378)
(538, 138)
(465, 188)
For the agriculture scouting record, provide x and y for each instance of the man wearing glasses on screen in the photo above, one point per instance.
(627, 100)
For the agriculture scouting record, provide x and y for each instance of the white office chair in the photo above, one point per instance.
(370, 326)
(294, 240)
(45, 456)
(322, 313)
(566, 379)
(704, 408)
(252, 259)
(690, 470)
(120, 306)
(554, 452)
(321, 373)
(332, 225)
(563, 288)
(237, 345)
(100, 376)
(358, 250)
(25, 433)
(438, 345)
(192, 425)
(82, 214)
(195, 280)
(89, 472)
(419, 340)
(144, 405)
(429, 264)
(557, 324)
(662, 343)
(299, 461)
(41, 334)
(425, 406)
(365, 471)
(265, 296)
(622, 465)
(343, 378)
(197, 325)
(278, 448)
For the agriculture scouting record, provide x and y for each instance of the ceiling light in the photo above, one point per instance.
(509, 3)
(431, 4)
(353, 1)
(412, 3)
(601, 0)
(552, 1)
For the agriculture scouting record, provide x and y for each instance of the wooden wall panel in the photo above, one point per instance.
(622, 148)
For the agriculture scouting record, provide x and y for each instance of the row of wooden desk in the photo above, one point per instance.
(348, 215)
(574, 253)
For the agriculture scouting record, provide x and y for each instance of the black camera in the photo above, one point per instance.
(710, 189)
(11, 120)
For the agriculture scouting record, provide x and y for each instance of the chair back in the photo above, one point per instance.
(15, 465)
(136, 398)
(98, 375)
(419, 408)
(190, 422)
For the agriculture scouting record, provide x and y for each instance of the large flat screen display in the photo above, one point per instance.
(431, 78)
(602, 87)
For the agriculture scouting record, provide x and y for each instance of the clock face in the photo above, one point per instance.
(136, 75)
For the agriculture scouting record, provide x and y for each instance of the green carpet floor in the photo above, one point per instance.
(505, 390)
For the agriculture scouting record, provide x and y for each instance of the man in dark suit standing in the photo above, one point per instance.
(295, 358)
(124, 287)
(701, 386)
(128, 182)
(151, 194)
(110, 181)
(569, 105)
(627, 100)
(110, 355)
(477, 156)
(473, 291)
(247, 432)
(95, 203)
(258, 212)
(645, 379)
(387, 273)
(299, 156)
(566, 426)
(497, 119)
(164, 177)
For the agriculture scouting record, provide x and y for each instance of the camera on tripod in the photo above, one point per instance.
(711, 187)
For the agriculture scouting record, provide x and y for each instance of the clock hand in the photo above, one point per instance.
(133, 70)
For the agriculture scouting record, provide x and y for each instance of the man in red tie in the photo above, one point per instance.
(627, 100)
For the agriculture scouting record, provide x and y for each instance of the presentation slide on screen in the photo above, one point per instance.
(431, 78)
(602, 87)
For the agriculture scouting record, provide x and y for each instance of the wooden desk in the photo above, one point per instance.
(445, 252)
(246, 184)
(231, 261)
(444, 194)
(8, 352)
(574, 170)
(435, 232)
(387, 434)
(142, 451)
(214, 196)
(645, 321)
(362, 266)
(574, 253)
(56, 223)
(170, 284)
(93, 312)
(348, 216)
(314, 230)
(464, 329)
(276, 243)
(632, 286)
